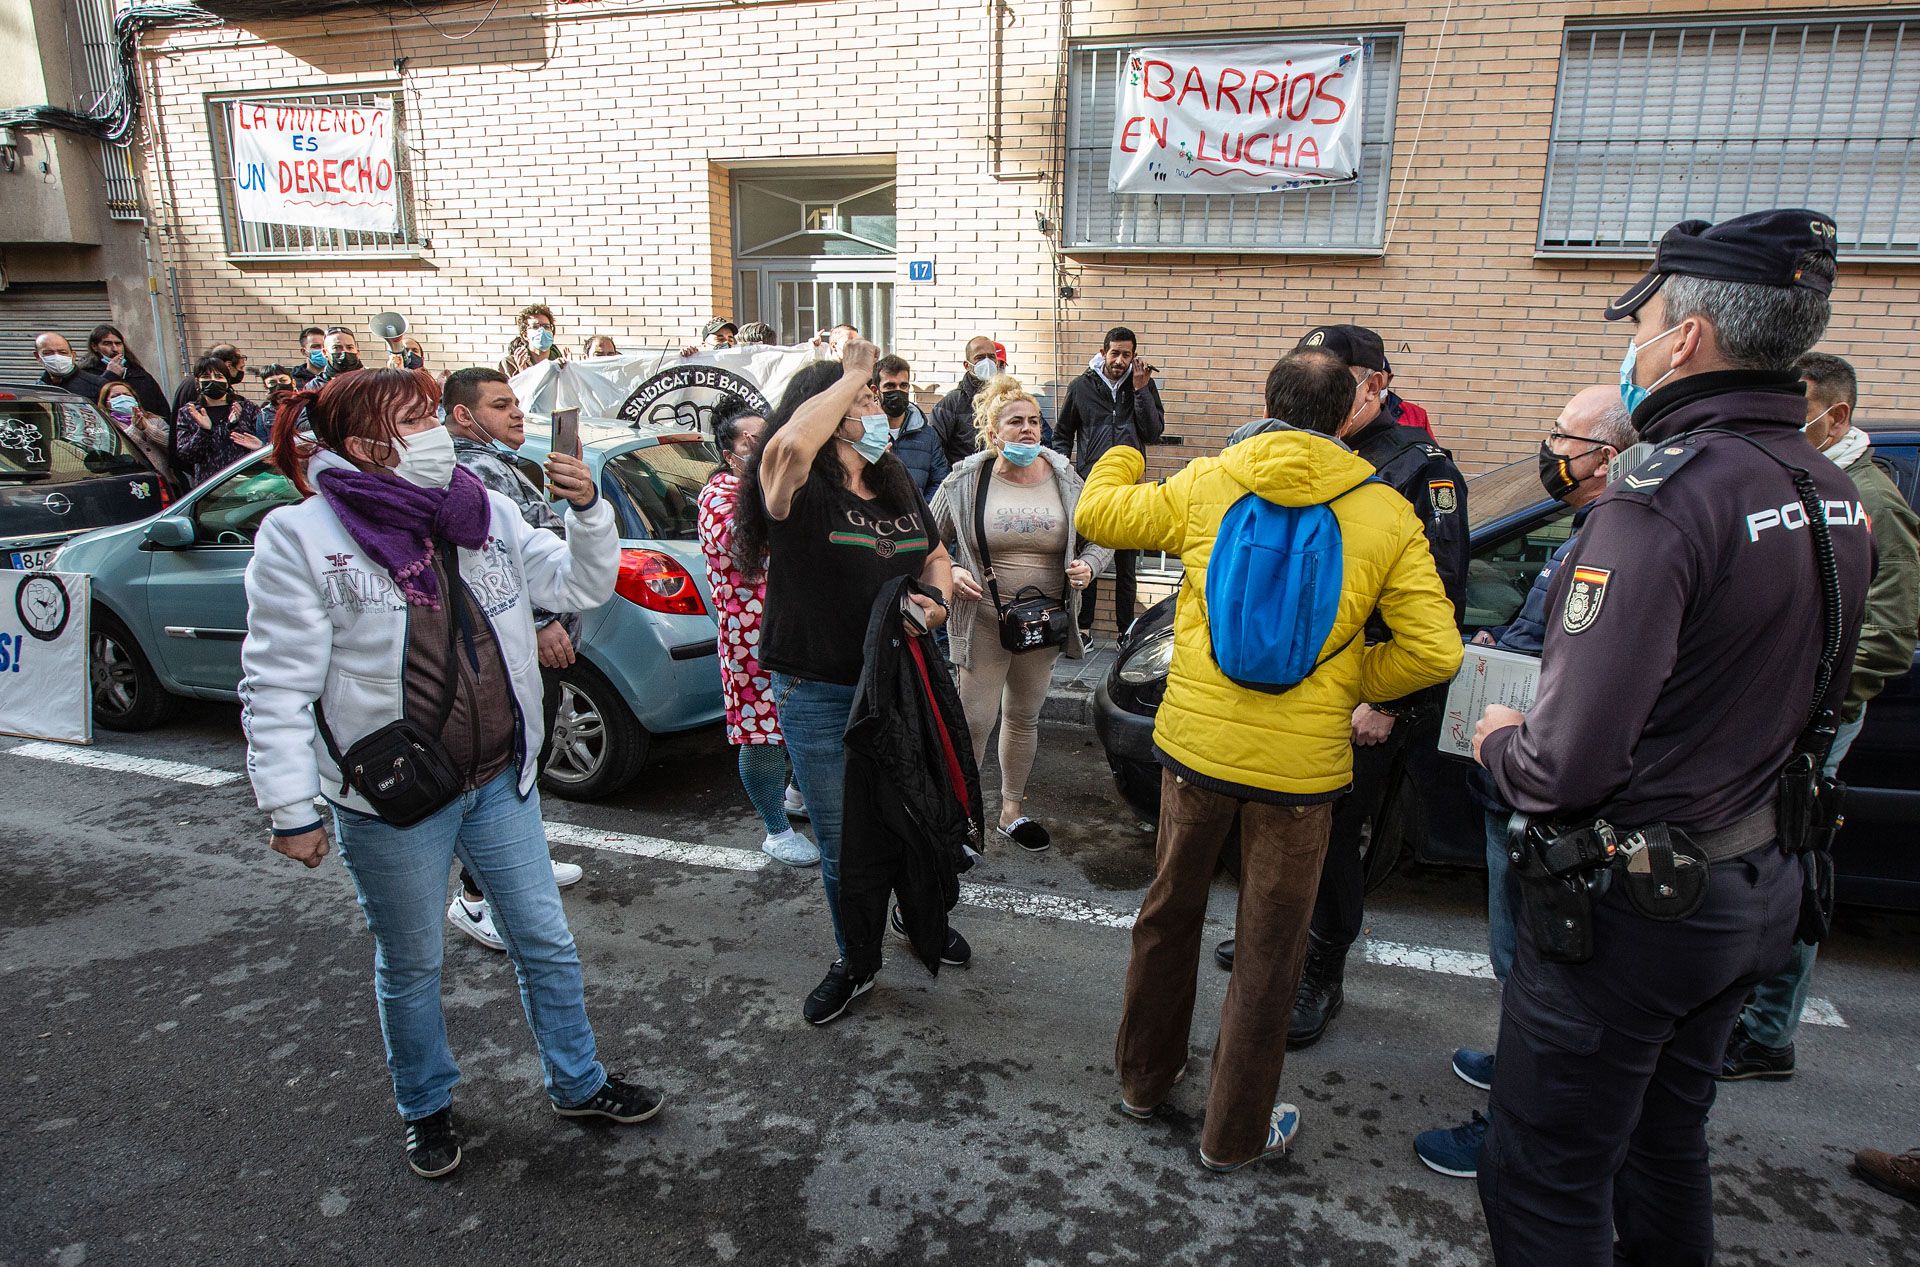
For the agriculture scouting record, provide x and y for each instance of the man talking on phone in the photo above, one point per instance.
(488, 427)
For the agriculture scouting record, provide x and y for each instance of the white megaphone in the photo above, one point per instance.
(388, 327)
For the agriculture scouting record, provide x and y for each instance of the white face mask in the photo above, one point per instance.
(426, 458)
(58, 363)
(985, 368)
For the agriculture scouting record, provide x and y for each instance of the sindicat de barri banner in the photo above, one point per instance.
(1236, 118)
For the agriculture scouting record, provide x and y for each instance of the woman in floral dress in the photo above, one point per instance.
(738, 602)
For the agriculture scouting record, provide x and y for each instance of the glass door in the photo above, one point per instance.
(814, 248)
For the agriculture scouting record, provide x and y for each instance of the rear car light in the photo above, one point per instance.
(657, 582)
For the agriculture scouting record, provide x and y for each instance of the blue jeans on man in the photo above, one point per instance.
(813, 721)
(400, 874)
(1503, 895)
(1772, 1015)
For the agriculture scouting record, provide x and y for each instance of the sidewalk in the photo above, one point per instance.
(1070, 697)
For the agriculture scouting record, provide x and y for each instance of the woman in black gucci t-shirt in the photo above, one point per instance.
(835, 516)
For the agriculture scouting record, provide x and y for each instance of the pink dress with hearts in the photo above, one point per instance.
(738, 602)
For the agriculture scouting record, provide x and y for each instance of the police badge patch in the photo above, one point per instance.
(1442, 493)
(1584, 596)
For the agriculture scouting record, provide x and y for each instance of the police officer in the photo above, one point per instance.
(1680, 661)
(1425, 475)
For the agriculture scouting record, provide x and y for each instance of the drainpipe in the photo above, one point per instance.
(997, 16)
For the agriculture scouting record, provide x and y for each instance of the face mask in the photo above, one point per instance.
(59, 364)
(1020, 454)
(893, 404)
(985, 368)
(875, 432)
(1816, 418)
(344, 361)
(413, 360)
(426, 458)
(1556, 472)
(539, 338)
(121, 406)
(215, 389)
(317, 358)
(1631, 393)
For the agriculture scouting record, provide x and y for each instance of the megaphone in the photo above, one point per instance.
(388, 326)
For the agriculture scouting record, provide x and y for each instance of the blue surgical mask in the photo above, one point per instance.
(317, 358)
(1631, 393)
(539, 338)
(1020, 454)
(876, 434)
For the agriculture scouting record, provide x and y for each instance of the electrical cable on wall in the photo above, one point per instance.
(1406, 173)
(113, 119)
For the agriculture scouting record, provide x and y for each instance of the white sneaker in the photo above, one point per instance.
(475, 920)
(565, 874)
(791, 848)
(796, 803)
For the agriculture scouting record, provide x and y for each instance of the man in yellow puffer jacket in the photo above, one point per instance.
(1279, 761)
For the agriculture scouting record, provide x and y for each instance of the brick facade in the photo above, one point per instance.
(535, 183)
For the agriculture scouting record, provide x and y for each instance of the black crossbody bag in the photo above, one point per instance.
(403, 769)
(1032, 621)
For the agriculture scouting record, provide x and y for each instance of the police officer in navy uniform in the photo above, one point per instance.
(1679, 672)
(1424, 474)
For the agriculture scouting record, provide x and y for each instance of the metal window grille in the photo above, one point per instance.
(1336, 218)
(265, 240)
(101, 58)
(1657, 124)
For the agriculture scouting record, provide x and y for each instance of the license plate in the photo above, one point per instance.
(32, 560)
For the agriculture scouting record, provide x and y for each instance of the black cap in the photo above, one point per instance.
(715, 326)
(1356, 345)
(1764, 248)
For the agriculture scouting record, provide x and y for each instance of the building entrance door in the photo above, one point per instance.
(814, 248)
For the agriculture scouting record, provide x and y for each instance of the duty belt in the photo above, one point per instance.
(1725, 843)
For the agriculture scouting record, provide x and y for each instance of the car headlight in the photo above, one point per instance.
(1149, 660)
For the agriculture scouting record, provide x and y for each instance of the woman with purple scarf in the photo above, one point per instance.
(404, 591)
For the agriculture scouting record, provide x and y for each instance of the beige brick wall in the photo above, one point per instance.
(623, 226)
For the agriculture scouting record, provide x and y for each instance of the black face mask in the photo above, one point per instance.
(1556, 472)
(894, 404)
(413, 361)
(343, 361)
(215, 390)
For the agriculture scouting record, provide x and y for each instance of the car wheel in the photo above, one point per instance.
(127, 694)
(598, 745)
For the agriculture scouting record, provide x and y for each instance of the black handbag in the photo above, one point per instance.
(1033, 621)
(403, 769)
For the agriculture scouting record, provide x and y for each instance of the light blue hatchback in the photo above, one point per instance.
(170, 607)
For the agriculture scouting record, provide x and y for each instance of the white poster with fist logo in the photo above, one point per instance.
(43, 656)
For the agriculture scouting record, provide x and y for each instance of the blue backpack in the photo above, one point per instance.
(1273, 591)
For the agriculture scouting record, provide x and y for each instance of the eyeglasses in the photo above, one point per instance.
(1567, 435)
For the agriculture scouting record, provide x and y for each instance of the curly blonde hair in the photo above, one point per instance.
(1001, 390)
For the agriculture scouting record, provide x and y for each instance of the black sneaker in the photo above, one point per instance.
(1746, 1060)
(957, 954)
(433, 1146)
(617, 1100)
(831, 997)
(1223, 954)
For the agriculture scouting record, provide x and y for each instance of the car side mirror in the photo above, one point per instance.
(170, 533)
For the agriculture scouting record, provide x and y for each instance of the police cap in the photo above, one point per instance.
(1356, 345)
(1764, 248)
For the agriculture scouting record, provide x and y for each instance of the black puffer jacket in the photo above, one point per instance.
(913, 792)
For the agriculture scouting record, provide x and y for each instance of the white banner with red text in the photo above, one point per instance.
(330, 167)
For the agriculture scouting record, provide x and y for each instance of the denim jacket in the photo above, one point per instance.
(502, 474)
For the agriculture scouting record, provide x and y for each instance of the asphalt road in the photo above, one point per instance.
(194, 1071)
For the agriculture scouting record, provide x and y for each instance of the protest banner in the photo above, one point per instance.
(330, 167)
(44, 688)
(1236, 118)
(663, 389)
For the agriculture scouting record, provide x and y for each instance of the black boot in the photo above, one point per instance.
(1223, 954)
(1318, 1000)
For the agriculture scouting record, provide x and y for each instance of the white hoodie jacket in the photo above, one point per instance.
(326, 622)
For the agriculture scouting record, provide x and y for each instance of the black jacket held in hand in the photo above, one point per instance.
(913, 793)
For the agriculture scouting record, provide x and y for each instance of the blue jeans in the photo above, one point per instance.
(1772, 1014)
(1503, 895)
(401, 876)
(813, 720)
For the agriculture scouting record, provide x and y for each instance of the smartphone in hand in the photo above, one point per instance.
(566, 432)
(916, 615)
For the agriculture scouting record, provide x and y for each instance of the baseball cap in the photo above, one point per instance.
(1356, 345)
(1763, 248)
(715, 326)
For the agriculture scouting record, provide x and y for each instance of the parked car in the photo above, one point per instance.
(64, 469)
(1428, 808)
(170, 609)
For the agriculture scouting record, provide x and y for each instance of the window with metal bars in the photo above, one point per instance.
(1654, 124)
(252, 239)
(1334, 219)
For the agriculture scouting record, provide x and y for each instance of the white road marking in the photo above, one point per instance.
(1389, 954)
(121, 763)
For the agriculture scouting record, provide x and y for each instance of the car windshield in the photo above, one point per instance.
(1503, 491)
(47, 441)
(655, 490)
